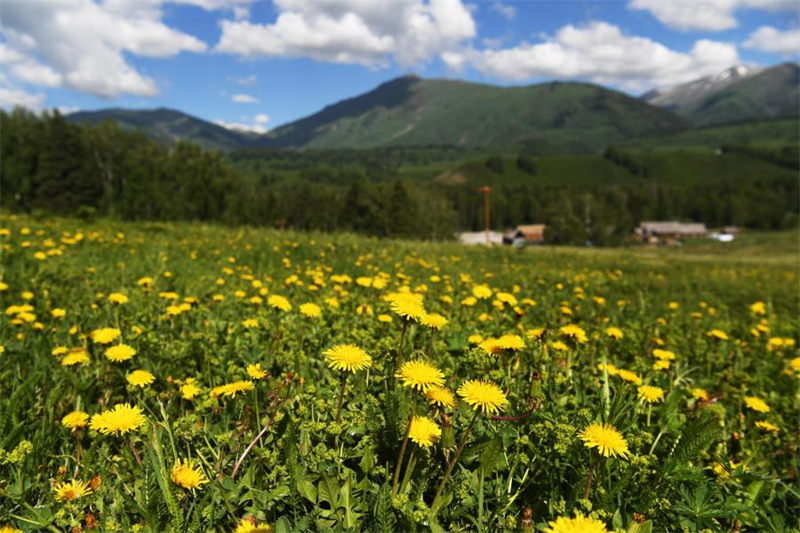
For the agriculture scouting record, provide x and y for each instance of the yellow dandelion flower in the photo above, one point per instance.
(279, 302)
(794, 364)
(188, 476)
(700, 394)
(559, 346)
(614, 332)
(776, 343)
(104, 335)
(535, 333)
(424, 431)
(59, 350)
(511, 342)
(630, 377)
(420, 375)
(611, 369)
(347, 358)
(75, 420)
(661, 364)
(68, 491)
(469, 301)
(758, 308)
(767, 426)
(248, 526)
(579, 524)
(441, 396)
(384, 318)
(250, 323)
(407, 305)
(718, 334)
(650, 394)
(76, 356)
(190, 390)
(491, 346)
(433, 320)
(756, 404)
(481, 292)
(475, 338)
(605, 437)
(119, 420)
(311, 310)
(119, 353)
(483, 395)
(58, 312)
(140, 378)
(117, 298)
(256, 372)
(574, 332)
(664, 355)
(232, 389)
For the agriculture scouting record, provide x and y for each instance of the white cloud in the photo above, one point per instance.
(353, 31)
(242, 98)
(82, 44)
(213, 5)
(239, 126)
(506, 11)
(246, 81)
(716, 15)
(261, 118)
(12, 97)
(769, 39)
(601, 53)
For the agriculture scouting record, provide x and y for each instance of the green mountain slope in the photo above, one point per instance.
(168, 125)
(410, 111)
(771, 93)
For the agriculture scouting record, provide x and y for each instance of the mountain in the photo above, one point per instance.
(737, 94)
(575, 117)
(169, 125)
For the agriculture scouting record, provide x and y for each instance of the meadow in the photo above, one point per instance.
(175, 377)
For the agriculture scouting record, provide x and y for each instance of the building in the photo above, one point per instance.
(479, 237)
(525, 234)
(670, 231)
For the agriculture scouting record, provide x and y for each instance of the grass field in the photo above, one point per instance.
(167, 377)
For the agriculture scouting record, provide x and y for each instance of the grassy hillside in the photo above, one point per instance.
(411, 111)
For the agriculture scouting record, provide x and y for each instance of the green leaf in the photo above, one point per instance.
(307, 490)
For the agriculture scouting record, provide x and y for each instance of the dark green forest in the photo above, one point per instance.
(52, 166)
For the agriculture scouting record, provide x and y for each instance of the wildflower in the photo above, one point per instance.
(700, 394)
(68, 491)
(58, 312)
(140, 378)
(119, 420)
(574, 332)
(776, 343)
(188, 476)
(420, 375)
(559, 346)
(189, 390)
(535, 333)
(232, 389)
(279, 302)
(311, 310)
(614, 332)
(250, 323)
(664, 355)
(491, 346)
(650, 394)
(605, 437)
(248, 526)
(475, 338)
(511, 342)
(758, 308)
(75, 420)
(145, 282)
(424, 431)
(120, 352)
(661, 364)
(76, 356)
(256, 372)
(630, 377)
(766, 426)
(756, 404)
(579, 524)
(674, 305)
(117, 298)
(59, 350)
(441, 396)
(384, 318)
(433, 320)
(408, 305)
(718, 334)
(483, 395)
(481, 292)
(104, 335)
(347, 358)
(469, 301)
(507, 298)
(608, 367)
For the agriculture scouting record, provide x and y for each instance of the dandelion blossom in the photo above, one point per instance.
(650, 394)
(117, 298)
(232, 389)
(605, 437)
(347, 358)
(579, 524)
(511, 342)
(574, 332)
(68, 491)
(311, 310)
(420, 375)
(120, 420)
(104, 335)
(483, 395)
(190, 390)
(279, 302)
(248, 526)
(120, 352)
(700, 394)
(424, 431)
(441, 396)
(77, 356)
(256, 372)
(756, 404)
(408, 305)
(140, 378)
(188, 476)
(614, 332)
(481, 292)
(766, 426)
(433, 320)
(75, 420)
(630, 377)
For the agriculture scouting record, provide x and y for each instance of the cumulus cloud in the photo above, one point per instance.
(12, 97)
(242, 98)
(82, 44)
(714, 15)
(261, 118)
(601, 53)
(240, 126)
(769, 39)
(353, 31)
(506, 11)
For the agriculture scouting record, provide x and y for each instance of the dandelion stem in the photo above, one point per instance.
(135, 453)
(402, 453)
(400, 345)
(454, 461)
(588, 487)
(341, 397)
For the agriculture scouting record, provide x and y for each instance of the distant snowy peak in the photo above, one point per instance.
(693, 91)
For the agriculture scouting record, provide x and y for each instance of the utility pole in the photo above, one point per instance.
(486, 190)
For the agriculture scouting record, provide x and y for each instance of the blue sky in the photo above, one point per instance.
(257, 65)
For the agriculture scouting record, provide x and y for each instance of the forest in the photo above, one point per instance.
(51, 166)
